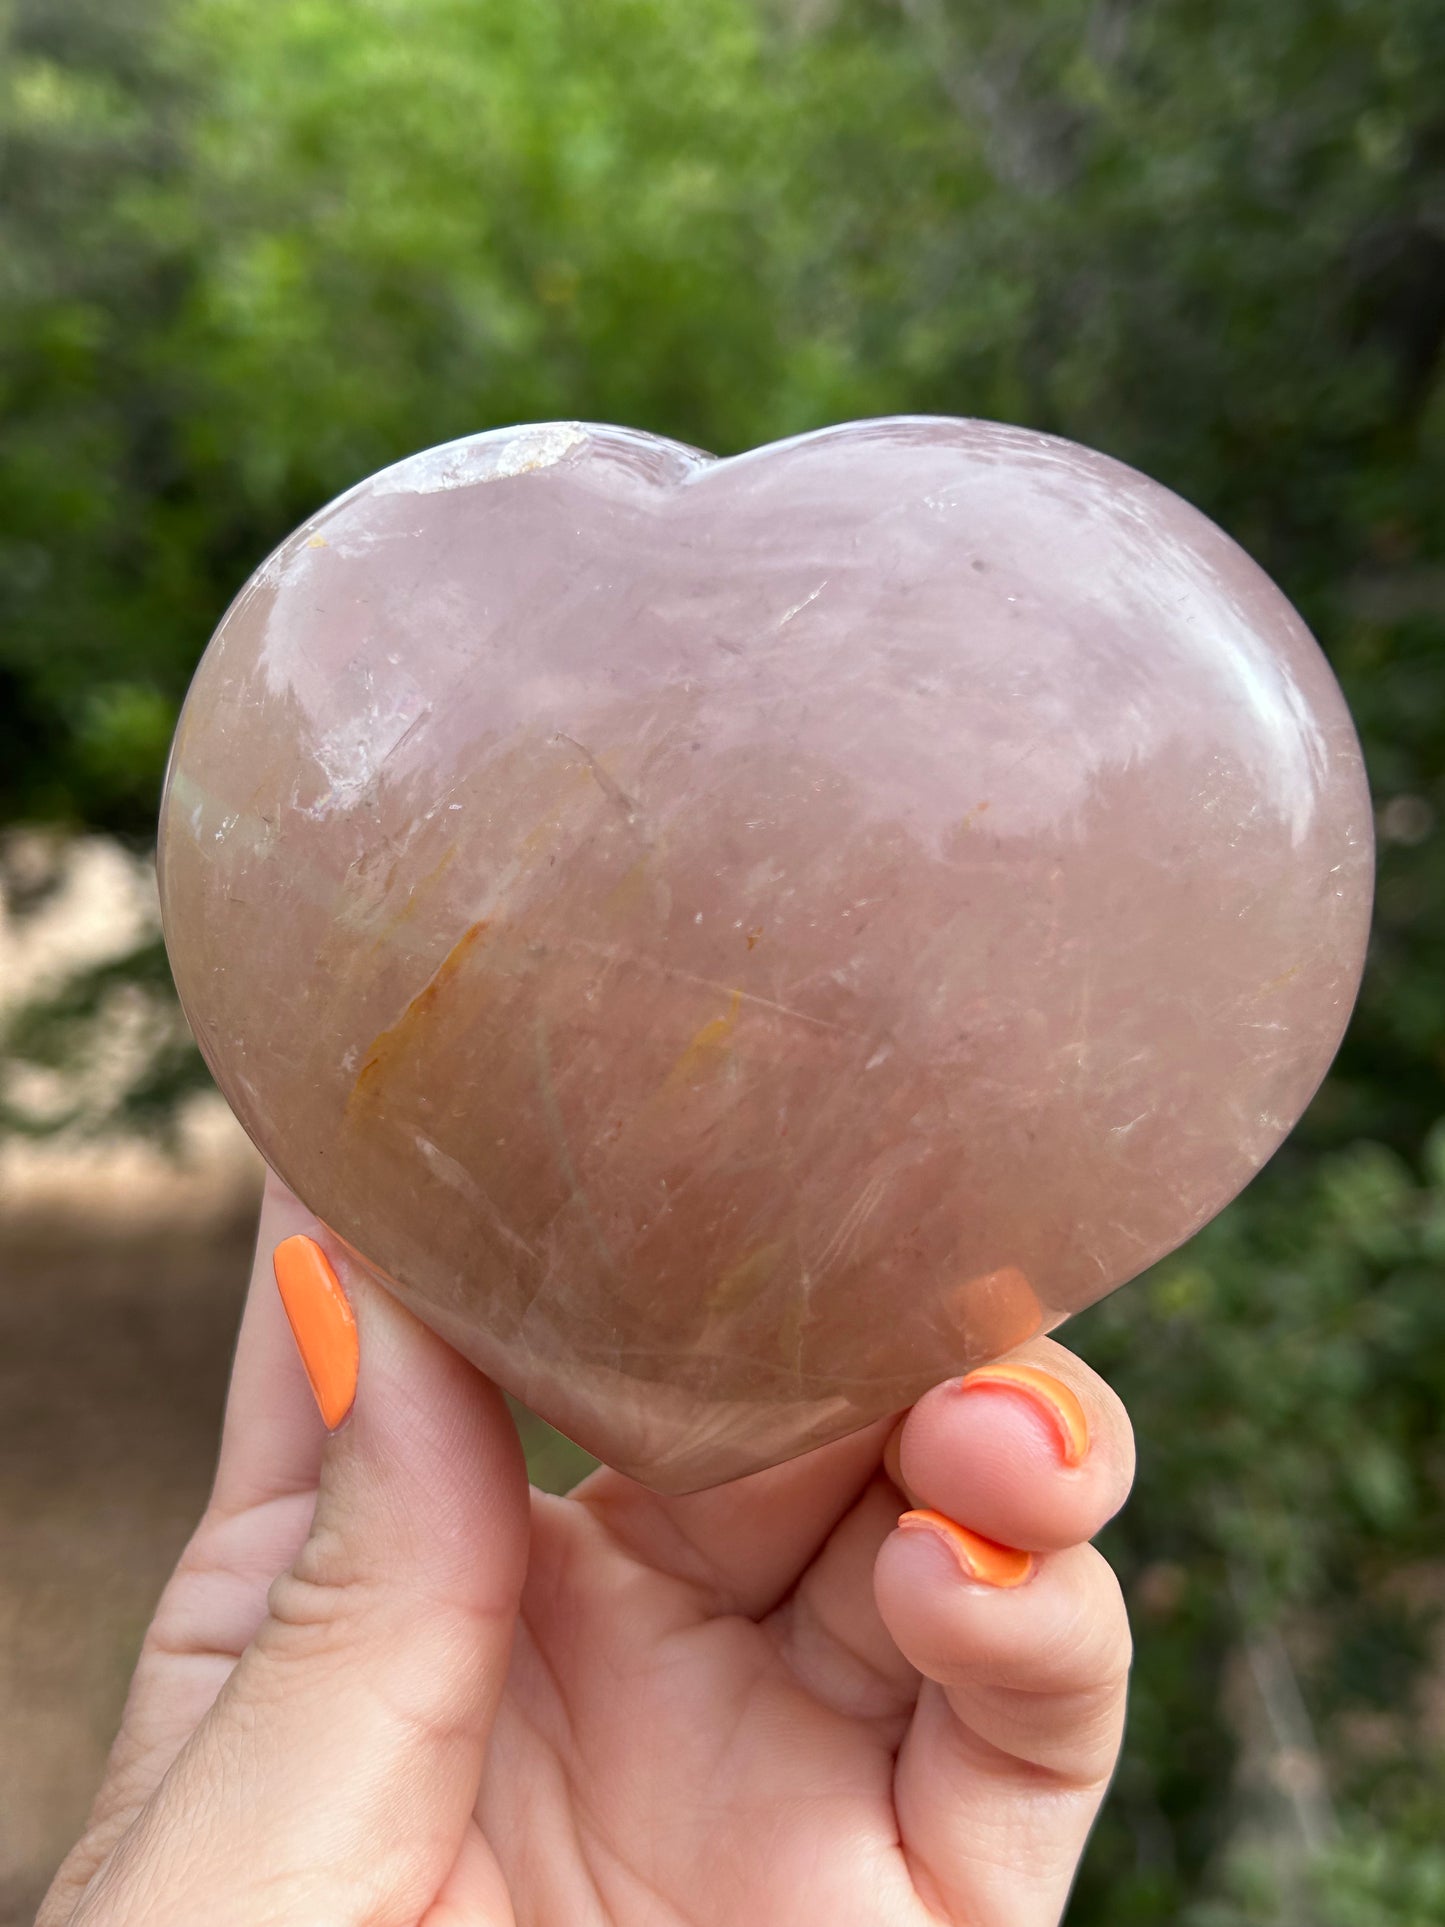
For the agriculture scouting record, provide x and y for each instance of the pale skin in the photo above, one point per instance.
(464, 1704)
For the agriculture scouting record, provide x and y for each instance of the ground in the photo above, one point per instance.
(115, 1340)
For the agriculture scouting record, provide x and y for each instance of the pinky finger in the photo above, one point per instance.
(1017, 1728)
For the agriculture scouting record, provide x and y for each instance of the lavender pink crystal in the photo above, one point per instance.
(734, 942)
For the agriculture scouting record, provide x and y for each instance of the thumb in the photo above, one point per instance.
(334, 1778)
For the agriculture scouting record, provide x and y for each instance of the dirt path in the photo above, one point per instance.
(114, 1348)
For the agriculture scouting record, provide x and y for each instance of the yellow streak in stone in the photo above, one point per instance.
(1278, 983)
(399, 1040)
(708, 1048)
(741, 1283)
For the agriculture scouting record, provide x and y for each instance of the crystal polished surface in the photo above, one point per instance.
(731, 943)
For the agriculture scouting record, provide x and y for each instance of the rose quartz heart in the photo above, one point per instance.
(733, 942)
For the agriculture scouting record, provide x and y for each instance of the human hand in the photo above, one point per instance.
(461, 1705)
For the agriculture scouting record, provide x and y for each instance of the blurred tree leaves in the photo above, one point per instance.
(250, 252)
(123, 1006)
(1285, 1376)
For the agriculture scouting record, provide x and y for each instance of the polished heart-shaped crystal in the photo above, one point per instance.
(730, 943)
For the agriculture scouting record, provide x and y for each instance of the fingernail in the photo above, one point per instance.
(981, 1559)
(322, 1324)
(1047, 1394)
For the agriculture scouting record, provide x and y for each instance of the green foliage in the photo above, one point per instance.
(1363, 1881)
(68, 1030)
(250, 252)
(1285, 1377)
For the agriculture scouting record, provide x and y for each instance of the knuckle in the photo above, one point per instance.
(315, 1608)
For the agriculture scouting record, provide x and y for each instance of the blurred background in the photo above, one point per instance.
(251, 250)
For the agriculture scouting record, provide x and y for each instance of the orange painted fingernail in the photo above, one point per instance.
(322, 1324)
(981, 1559)
(1047, 1394)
